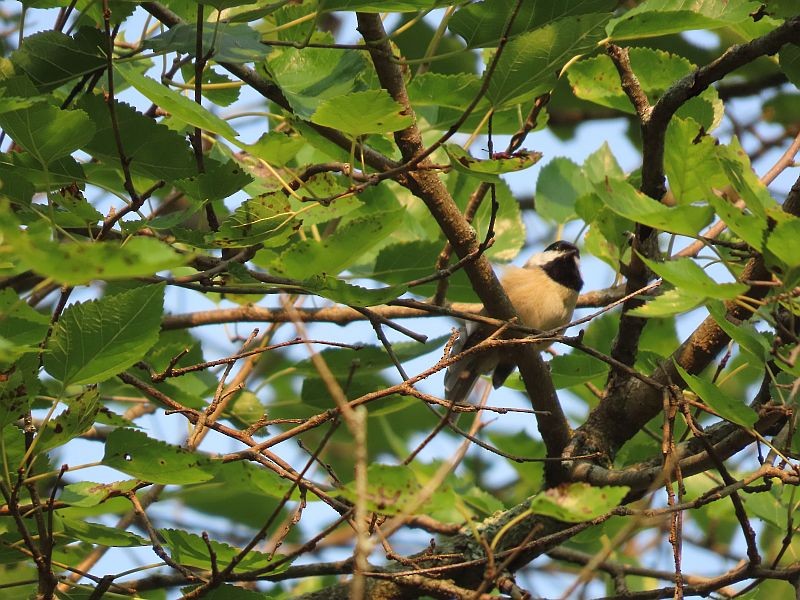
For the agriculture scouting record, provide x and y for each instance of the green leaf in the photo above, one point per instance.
(360, 113)
(743, 334)
(309, 76)
(51, 58)
(597, 80)
(136, 454)
(671, 302)
(576, 502)
(276, 148)
(19, 323)
(233, 592)
(750, 228)
(509, 229)
(342, 292)
(530, 63)
(267, 218)
(101, 535)
(575, 368)
(662, 17)
(391, 489)
(190, 550)
(152, 149)
(561, 182)
(46, 132)
(601, 165)
(727, 407)
(95, 340)
(481, 24)
(623, 199)
(379, 6)
(690, 161)
(489, 169)
(75, 420)
(230, 43)
(217, 183)
(341, 249)
(179, 106)
(443, 90)
(783, 242)
(789, 59)
(23, 169)
(86, 494)
(687, 275)
(81, 262)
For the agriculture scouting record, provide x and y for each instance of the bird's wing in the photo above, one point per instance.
(461, 377)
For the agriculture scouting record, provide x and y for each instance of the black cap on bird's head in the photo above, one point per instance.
(562, 246)
(560, 260)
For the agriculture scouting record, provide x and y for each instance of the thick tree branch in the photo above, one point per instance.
(427, 186)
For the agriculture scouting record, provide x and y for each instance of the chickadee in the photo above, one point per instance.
(543, 293)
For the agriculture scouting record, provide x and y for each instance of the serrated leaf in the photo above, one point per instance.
(671, 302)
(231, 43)
(383, 5)
(748, 227)
(95, 340)
(573, 369)
(276, 148)
(87, 493)
(190, 550)
(597, 80)
(623, 199)
(530, 63)
(78, 417)
(602, 164)
(339, 250)
(662, 17)
(481, 24)
(789, 59)
(509, 229)
(391, 489)
(686, 275)
(743, 334)
(217, 183)
(727, 407)
(342, 292)
(152, 149)
(360, 113)
(61, 172)
(81, 262)
(783, 242)
(136, 454)
(443, 90)
(268, 217)
(101, 535)
(46, 132)
(51, 58)
(309, 76)
(576, 502)
(561, 182)
(179, 106)
(690, 161)
(489, 169)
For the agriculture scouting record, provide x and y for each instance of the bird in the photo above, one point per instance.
(544, 292)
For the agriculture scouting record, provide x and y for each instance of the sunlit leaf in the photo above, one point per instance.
(530, 63)
(576, 502)
(489, 169)
(143, 457)
(730, 409)
(96, 340)
(359, 113)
